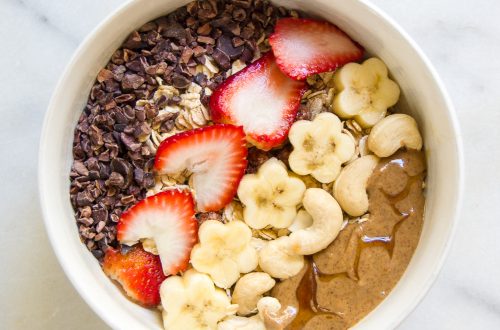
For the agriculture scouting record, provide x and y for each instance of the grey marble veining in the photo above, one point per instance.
(37, 38)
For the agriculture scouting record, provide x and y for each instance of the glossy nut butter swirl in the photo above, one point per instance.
(341, 284)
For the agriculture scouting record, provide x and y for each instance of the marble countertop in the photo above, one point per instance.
(462, 39)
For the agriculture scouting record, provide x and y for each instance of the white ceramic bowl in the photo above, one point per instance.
(424, 97)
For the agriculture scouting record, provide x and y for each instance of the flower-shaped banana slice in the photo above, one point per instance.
(319, 147)
(365, 92)
(193, 302)
(224, 251)
(270, 196)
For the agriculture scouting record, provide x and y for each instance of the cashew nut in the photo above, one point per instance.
(283, 257)
(249, 289)
(270, 317)
(350, 187)
(278, 260)
(327, 221)
(273, 316)
(393, 132)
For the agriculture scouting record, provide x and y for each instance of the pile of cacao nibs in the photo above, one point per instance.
(113, 167)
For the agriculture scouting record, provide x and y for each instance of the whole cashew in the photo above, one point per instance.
(393, 132)
(327, 222)
(283, 257)
(249, 289)
(350, 187)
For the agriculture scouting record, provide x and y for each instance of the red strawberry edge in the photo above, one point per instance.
(138, 272)
(302, 73)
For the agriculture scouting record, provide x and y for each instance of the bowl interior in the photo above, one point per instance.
(422, 96)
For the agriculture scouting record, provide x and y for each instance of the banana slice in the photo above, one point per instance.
(365, 92)
(224, 251)
(319, 147)
(193, 302)
(270, 196)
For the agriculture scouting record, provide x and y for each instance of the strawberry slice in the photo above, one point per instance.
(216, 157)
(261, 99)
(167, 219)
(139, 273)
(304, 47)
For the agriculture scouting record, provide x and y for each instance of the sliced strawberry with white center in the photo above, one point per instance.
(261, 99)
(166, 218)
(139, 273)
(216, 157)
(304, 47)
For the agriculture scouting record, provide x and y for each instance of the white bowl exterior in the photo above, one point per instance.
(423, 97)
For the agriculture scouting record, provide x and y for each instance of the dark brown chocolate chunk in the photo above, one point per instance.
(86, 221)
(116, 180)
(130, 142)
(174, 30)
(86, 212)
(124, 98)
(95, 135)
(225, 45)
(132, 81)
(94, 175)
(123, 167)
(104, 75)
(204, 29)
(142, 131)
(247, 55)
(206, 40)
(186, 54)
(180, 82)
(80, 168)
(243, 3)
(129, 55)
(201, 79)
(222, 59)
(239, 14)
(134, 41)
(135, 65)
(84, 198)
(149, 26)
(198, 51)
(117, 57)
(129, 199)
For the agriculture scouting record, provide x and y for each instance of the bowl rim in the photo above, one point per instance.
(51, 108)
